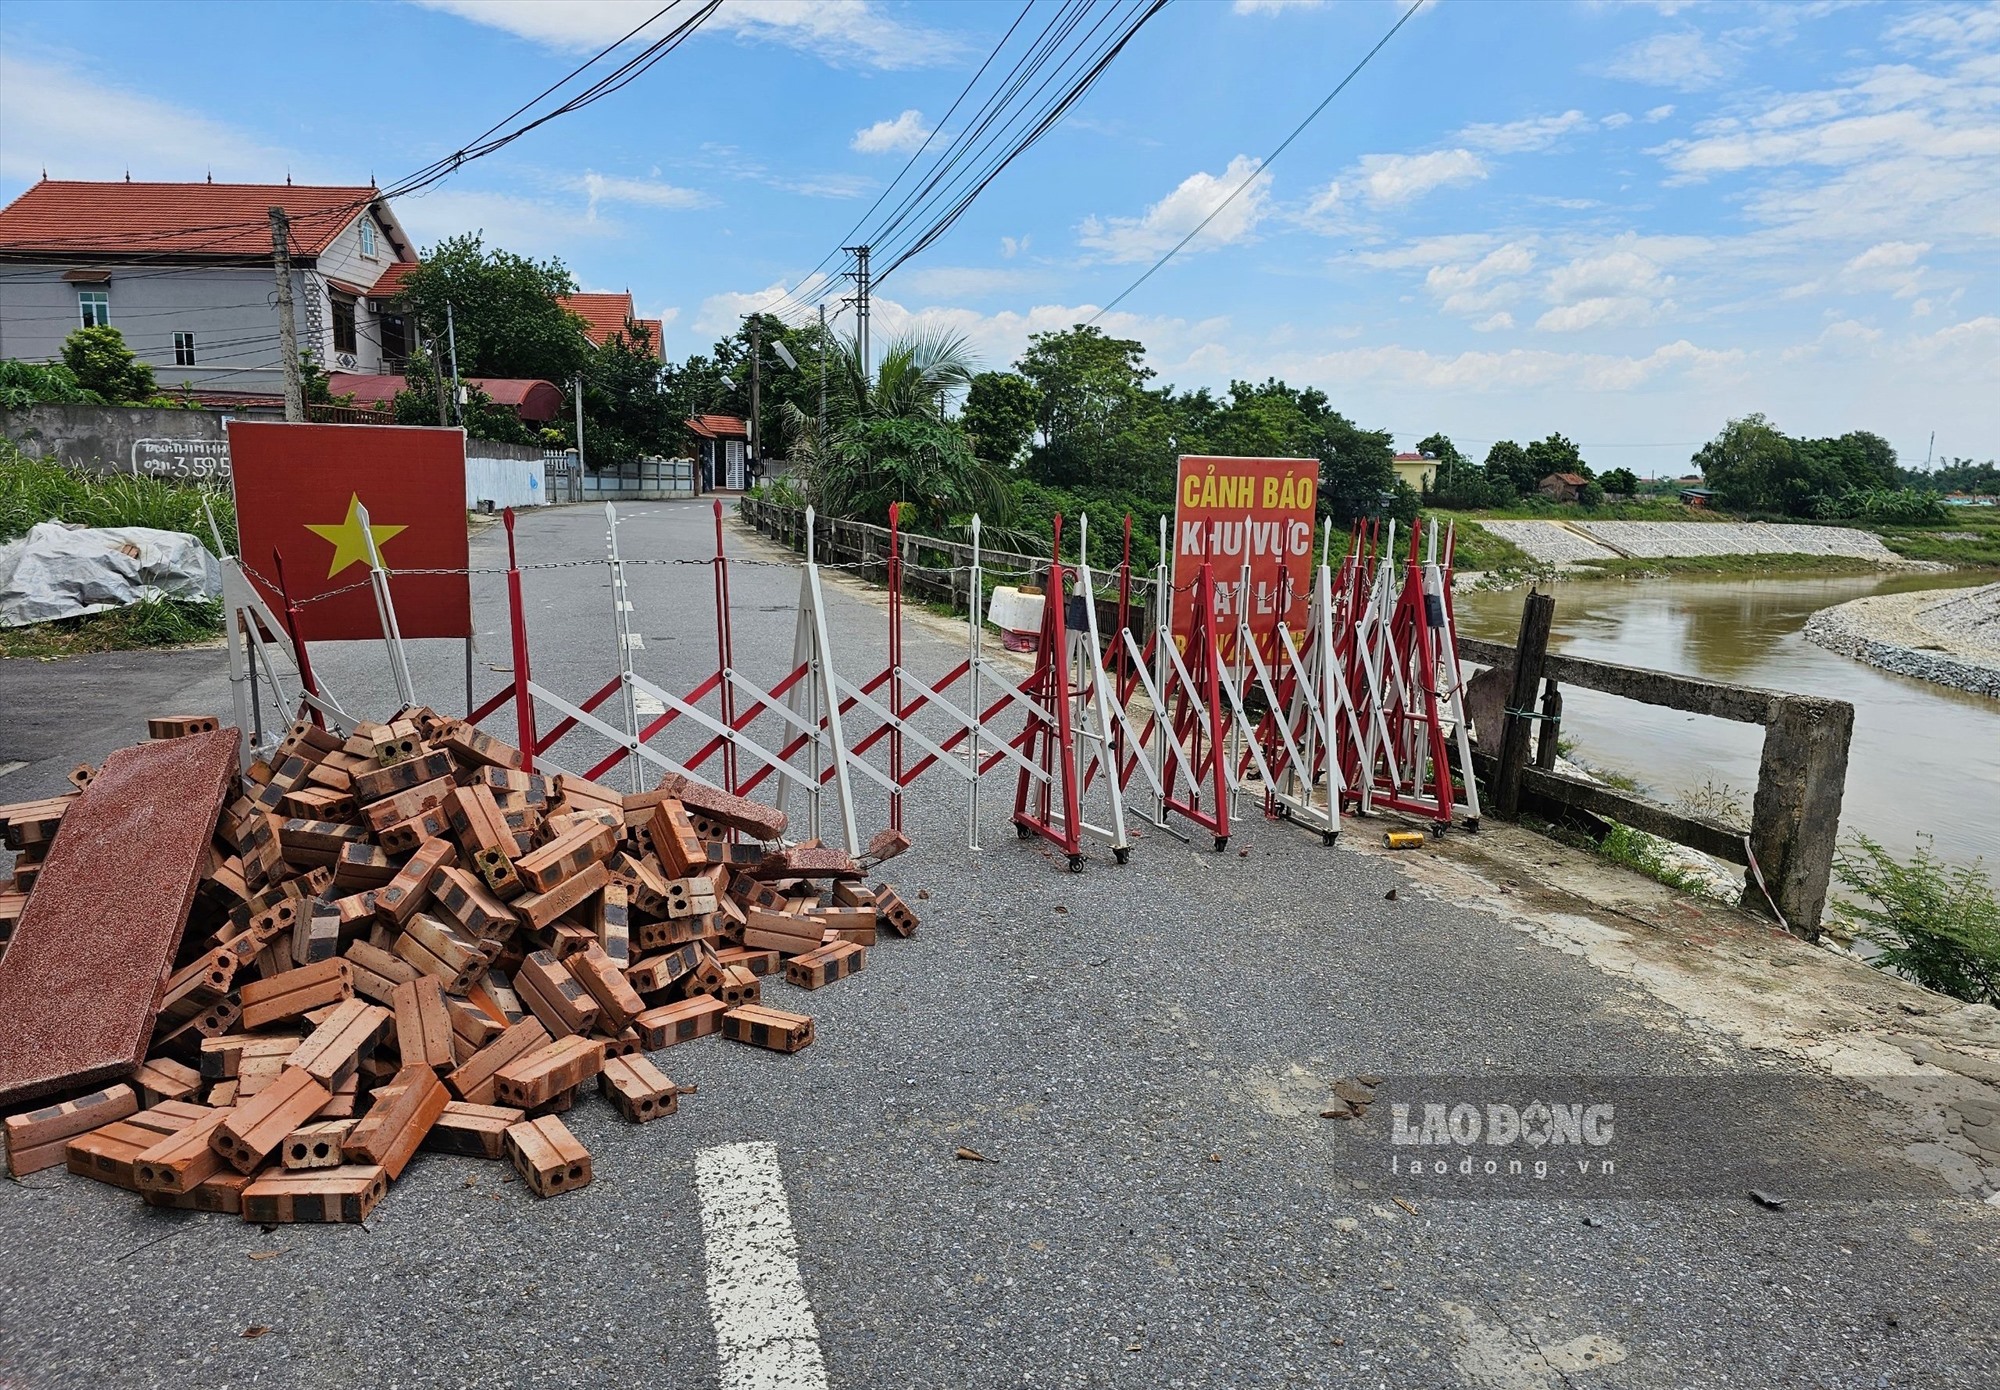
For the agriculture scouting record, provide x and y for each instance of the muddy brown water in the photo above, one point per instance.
(1925, 759)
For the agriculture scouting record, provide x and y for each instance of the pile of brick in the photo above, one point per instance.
(403, 941)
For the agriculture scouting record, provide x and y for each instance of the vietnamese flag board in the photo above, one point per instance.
(300, 490)
(1227, 507)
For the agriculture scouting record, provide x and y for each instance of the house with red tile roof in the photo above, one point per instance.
(185, 271)
(607, 316)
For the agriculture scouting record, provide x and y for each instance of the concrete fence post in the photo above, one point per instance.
(1795, 819)
(1537, 616)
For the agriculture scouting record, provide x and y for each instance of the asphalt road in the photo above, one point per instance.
(1141, 1053)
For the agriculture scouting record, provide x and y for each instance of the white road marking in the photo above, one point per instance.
(648, 705)
(633, 641)
(765, 1337)
(6, 768)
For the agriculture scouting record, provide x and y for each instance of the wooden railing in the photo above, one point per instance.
(1801, 777)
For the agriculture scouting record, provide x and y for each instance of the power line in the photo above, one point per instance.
(911, 163)
(1066, 55)
(1265, 164)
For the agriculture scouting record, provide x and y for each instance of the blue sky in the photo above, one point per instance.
(1627, 222)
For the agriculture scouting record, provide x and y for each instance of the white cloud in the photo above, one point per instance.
(607, 188)
(822, 185)
(1617, 120)
(65, 120)
(1682, 60)
(839, 31)
(528, 226)
(1659, 113)
(1948, 28)
(1893, 153)
(904, 135)
(1533, 133)
(1888, 255)
(1274, 6)
(1518, 369)
(1011, 247)
(1181, 211)
(1599, 311)
(964, 281)
(1494, 323)
(1398, 178)
(1429, 251)
(1481, 286)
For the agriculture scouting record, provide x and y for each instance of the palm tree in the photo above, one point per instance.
(887, 438)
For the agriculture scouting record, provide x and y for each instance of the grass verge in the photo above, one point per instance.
(1743, 566)
(152, 623)
(34, 490)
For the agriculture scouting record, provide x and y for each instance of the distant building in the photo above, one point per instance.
(720, 444)
(609, 316)
(536, 402)
(1418, 470)
(185, 272)
(1562, 487)
(1698, 496)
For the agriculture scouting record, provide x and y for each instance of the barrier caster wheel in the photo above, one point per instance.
(1076, 863)
(1123, 856)
(1221, 843)
(1327, 837)
(1021, 832)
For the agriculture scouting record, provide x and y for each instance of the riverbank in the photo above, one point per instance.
(1950, 638)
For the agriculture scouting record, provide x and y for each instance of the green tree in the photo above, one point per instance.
(1621, 481)
(888, 438)
(503, 309)
(23, 384)
(1747, 463)
(999, 416)
(1554, 455)
(1508, 466)
(1356, 475)
(1092, 400)
(101, 363)
(626, 413)
(1457, 482)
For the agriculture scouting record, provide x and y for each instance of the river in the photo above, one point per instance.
(1925, 759)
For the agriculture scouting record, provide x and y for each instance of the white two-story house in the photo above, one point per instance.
(186, 272)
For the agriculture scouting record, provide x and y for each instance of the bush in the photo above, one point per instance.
(1888, 506)
(1935, 924)
(33, 490)
(101, 363)
(23, 384)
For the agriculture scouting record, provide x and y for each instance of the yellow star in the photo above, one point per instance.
(350, 547)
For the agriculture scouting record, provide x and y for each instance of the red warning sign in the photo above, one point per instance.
(1233, 509)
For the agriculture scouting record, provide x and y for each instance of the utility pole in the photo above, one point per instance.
(860, 275)
(820, 436)
(457, 387)
(756, 383)
(437, 379)
(1929, 449)
(579, 434)
(288, 328)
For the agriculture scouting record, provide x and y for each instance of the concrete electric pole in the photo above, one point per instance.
(288, 328)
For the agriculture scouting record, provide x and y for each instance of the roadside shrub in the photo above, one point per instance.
(1886, 506)
(33, 490)
(1936, 924)
(23, 384)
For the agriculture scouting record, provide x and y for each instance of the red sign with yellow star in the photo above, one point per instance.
(301, 491)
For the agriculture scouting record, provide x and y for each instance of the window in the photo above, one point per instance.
(343, 325)
(368, 237)
(183, 349)
(95, 307)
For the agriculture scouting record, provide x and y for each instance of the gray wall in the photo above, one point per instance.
(232, 313)
(127, 439)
